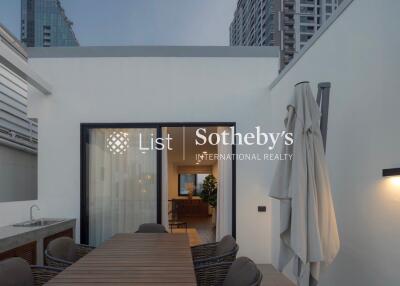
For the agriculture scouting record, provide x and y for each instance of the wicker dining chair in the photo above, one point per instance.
(241, 272)
(16, 271)
(151, 228)
(63, 252)
(210, 253)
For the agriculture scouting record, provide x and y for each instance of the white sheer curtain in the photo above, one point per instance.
(122, 186)
(224, 200)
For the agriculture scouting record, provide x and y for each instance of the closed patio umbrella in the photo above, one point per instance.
(308, 229)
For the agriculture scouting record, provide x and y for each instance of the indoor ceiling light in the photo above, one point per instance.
(118, 142)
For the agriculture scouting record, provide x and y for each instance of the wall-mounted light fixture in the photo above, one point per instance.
(391, 172)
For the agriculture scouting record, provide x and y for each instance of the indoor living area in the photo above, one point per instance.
(193, 181)
(167, 173)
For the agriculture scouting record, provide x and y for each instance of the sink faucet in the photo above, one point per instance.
(33, 206)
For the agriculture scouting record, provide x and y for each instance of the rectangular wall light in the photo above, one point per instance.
(391, 172)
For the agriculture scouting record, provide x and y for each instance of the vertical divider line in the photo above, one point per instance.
(184, 143)
(84, 209)
(159, 178)
(234, 183)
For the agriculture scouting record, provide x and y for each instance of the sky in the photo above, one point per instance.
(140, 22)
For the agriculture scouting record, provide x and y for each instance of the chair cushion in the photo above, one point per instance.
(63, 248)
(226, 244)
(243, 272)
(15, 272)
(151, 228)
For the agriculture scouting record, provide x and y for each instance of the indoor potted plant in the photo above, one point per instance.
(209, 193)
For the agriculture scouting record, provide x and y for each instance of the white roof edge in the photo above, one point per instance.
(19, 66)
(155, 51)
(12, 41)
(342, 7)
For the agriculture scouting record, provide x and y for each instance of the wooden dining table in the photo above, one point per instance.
(133, 259)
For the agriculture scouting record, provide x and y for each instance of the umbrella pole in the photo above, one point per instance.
(323, 102)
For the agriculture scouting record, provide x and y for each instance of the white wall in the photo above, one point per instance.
(359, 55)
(14, 212)
(18, 179)
(152, 90)
(18, 175)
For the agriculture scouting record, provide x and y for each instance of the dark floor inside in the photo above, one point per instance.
(204, 226)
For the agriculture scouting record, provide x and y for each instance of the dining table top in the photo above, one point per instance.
(133, 259)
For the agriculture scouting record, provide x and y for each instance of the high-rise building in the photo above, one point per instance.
(248, 27)
(44, 24)
(288, 24)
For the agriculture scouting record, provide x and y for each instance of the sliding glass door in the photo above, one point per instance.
(121, 184)
(121, 190)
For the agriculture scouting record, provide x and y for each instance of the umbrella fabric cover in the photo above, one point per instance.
(308, 228)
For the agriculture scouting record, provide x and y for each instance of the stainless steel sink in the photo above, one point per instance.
(38, 222)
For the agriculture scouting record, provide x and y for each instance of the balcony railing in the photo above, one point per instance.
(289, 21)
(287, 59)
(289, 2)
(289, 50)
(288, 40)
(310, 2)
(288, 30)
(289, 11)
(307, 12)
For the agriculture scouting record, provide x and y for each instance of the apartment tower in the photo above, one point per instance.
(44, 24)
(288, 24)
(248, 27)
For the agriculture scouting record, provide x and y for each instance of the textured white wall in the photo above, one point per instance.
(13, 212)
(359, 55)
(152, 90)
(18, 178)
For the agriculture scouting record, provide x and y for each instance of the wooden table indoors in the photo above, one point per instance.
(133, 259)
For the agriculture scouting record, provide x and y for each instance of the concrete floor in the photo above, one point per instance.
(271, 277)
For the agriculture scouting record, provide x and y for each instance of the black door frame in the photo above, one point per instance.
(84, 198)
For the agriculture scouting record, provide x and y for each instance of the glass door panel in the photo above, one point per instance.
(121, 181)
